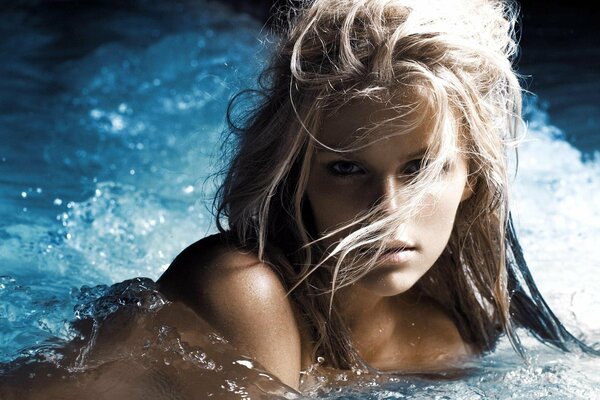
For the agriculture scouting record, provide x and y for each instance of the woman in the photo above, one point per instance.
(364, 218)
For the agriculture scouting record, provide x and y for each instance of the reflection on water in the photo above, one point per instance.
(106, 146)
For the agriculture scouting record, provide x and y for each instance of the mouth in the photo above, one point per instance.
(396, 252)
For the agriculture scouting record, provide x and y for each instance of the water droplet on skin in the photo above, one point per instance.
(246, 363)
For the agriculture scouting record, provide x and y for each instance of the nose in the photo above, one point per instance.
(388, 193)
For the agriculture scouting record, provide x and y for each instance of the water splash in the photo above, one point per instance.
(131, 331)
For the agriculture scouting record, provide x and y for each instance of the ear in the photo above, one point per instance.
(469, 187)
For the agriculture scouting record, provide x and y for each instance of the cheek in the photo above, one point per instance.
(327, 208)
(333, 205)
(439, 213)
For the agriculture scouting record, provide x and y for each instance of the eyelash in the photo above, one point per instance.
(331, 167)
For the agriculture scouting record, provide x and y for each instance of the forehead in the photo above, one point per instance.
(361, 122)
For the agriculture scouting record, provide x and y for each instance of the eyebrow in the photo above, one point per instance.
(418, 153)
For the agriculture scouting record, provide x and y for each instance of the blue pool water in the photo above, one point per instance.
(110, 124)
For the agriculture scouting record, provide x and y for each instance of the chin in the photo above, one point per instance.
(385, 283)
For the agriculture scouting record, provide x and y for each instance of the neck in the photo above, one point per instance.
(407, 332)
(356, 303)
(373, 320)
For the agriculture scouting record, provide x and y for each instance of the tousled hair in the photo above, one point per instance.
(450, 60)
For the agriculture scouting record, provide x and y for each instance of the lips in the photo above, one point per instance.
(390, 250)
(397, 255)
(399, 247)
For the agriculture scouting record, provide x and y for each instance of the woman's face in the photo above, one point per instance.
(344, 185)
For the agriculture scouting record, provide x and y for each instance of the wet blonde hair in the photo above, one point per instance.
(445, 59)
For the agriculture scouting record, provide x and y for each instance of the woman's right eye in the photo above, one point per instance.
(344, 168)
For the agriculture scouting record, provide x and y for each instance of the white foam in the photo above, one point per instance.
(556, 203)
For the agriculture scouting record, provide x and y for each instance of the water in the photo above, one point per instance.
(109, 137)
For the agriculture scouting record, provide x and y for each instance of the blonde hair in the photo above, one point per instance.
(452, 56)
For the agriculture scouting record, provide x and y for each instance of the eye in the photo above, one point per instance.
(344, 168)
(413, 167)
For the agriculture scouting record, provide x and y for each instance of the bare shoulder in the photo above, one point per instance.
(241, 297)
(215, 271)
(193, 261)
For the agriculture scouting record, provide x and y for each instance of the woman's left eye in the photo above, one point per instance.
(412, 167)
